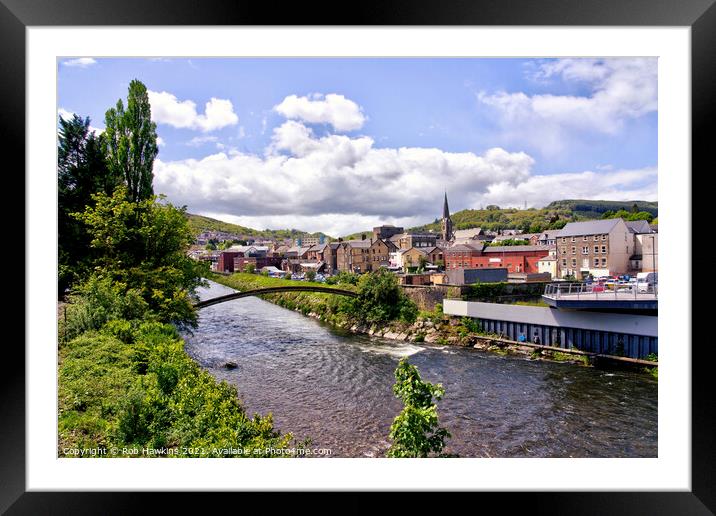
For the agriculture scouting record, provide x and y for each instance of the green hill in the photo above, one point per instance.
(199, 223)
(533, 220)
(594, 209)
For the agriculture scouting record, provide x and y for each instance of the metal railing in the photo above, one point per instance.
(602, 291)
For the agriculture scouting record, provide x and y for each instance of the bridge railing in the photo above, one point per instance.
(600, 291)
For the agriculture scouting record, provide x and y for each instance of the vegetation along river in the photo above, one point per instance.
(336, 388)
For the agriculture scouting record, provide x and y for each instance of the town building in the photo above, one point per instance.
(408, 240)
(472, 276)
(308, 241)
(514, 258)
(386, 231)
(646, 253)
(548, 238)
(595, 247)
(531, 238)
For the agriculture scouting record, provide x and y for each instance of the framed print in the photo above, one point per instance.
(510, 162)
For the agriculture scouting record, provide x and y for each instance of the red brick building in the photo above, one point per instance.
(517, 258)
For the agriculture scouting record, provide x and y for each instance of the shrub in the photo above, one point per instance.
(415, 431)
(98, 301)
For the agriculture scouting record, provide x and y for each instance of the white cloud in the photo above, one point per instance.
(160, 141)
(539, 190)
(80, 62)
(620, 89)
(336, 180)
(338, 111)
(167, 109)
(198, 141)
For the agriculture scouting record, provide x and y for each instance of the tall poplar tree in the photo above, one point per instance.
(130, 141)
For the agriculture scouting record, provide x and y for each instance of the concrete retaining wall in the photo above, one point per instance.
(633, 335)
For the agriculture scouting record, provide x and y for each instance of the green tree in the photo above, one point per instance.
(380, 299)
(130, 141)
(81, 172)
(415, 431)
(250, 268)
(310, 275)
(142, 247)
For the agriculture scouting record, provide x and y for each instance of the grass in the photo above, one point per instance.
(534, 302)
(136, 389)
(326, 305)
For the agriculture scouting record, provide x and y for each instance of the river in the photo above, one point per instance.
(336, 388)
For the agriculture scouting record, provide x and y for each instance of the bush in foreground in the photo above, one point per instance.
(132, 385)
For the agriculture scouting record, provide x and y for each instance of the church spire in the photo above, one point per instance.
(446, 223)
(446, 210)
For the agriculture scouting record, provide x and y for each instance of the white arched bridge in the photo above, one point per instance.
(273, 290)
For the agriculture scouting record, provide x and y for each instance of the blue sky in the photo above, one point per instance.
(339, 145)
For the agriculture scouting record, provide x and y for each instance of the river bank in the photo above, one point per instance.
(336, 387)
(430, 327)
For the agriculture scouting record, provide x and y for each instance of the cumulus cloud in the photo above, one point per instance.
(338, 111)
(539, 190)
(620, 89)
(167, 109)
(80, 62)
(343, 182)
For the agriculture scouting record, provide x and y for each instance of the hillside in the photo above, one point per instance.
(594, 209)
(199, 223)
(533, 220)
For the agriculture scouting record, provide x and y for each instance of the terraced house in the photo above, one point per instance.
(363, 255)
(595, 247)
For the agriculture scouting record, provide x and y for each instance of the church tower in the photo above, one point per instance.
(446, 223)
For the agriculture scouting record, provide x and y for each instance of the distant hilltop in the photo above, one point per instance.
(594, 209)
(200, 223)
(535, 220)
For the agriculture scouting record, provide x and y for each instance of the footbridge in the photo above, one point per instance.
(273, 290)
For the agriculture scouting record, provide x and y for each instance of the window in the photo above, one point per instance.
(564, 263)
(604, 237)
(596, 237)
(574, 239)
(604, 249)
(564, 240)
(596, 262)
(604, 262)
(585, 238)
(564, 250)
(585, 249)
(574, 250)
(574, 262)
(596, 249)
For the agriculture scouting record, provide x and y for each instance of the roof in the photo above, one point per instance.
(589, 227)
(638, 226)
(549, 258)
(297, 250)
(524, 236)
(429, 250)
(358, 243)
(421, 251)
(318, 247)
(467, 233)
(463, 248)
(550, 234)
(514, 248)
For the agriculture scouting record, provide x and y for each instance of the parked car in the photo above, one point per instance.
(645, 281)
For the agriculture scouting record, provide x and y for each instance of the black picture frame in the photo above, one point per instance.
(699, 15)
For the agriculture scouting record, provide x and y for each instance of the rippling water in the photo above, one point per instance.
(336, 388)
